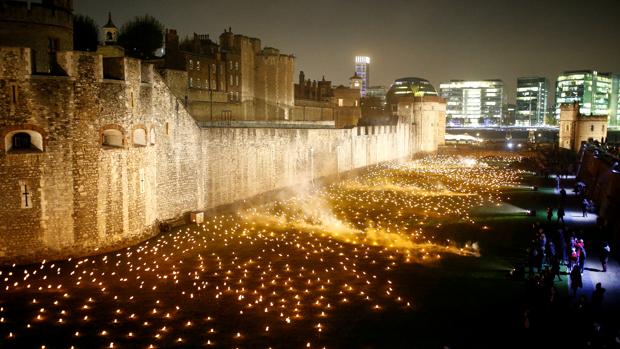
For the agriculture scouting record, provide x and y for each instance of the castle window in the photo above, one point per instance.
(152, 136)
(139, 137)
(109, 37)
(191, 82)
(231, 80)
(591, 128)
(112, 138)
(236, 65)
(198, 65)
(191, 64)
(230, 65)
(237, 80)
(603, 128)
(23, 141)
(340, 102)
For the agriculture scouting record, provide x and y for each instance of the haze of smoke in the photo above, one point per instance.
(311, 213)
(411, 190)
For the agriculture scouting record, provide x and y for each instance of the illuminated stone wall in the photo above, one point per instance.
(576, 128)
(116, 153)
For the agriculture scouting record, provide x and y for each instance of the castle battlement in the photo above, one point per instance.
(16, 65)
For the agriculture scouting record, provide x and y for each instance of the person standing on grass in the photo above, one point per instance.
(555, 267)
(561, 246)
(549, 214)
(582, 256)
(584, 207)
(597, 295)
(572, 259)
(575, 281)
(561, 214)
(605, 251)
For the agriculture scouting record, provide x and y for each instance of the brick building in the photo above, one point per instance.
(233, 79)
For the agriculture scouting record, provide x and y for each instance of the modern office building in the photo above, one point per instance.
(379, 92)
(593, 91)
(532, 101)
(509, 115)
(614, 103)
(362, 69)
(473, 103)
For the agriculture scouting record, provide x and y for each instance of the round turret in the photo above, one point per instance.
(45, 28)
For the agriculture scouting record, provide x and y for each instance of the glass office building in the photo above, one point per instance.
(532, 101)
(362, 69)
(614, 103)
(473, 103)
(593, 90)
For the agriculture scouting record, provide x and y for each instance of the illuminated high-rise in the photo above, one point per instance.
(362, 69)
(532, 101)
(614, 103)
(593, 90)
(473, 103)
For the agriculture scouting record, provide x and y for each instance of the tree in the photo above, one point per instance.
(85, 33)
(141, 36)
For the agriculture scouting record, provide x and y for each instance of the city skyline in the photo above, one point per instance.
(439, 41)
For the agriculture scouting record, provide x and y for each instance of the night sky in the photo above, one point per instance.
(438, 40)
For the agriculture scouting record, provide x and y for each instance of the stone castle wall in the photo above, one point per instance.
(86, 197)
(601, 174)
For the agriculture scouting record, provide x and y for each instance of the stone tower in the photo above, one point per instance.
(46, 28)
(355, 82)
(576, 128)
(110, 32)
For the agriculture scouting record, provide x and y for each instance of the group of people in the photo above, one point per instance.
(548, 251)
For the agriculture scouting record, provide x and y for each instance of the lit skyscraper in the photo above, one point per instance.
(614, 103)
(473, 103)
(532, 101)
(362, 69)
(593, 91)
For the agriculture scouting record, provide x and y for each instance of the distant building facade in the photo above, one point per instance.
(473, 103)
(509, 115)
(596, 93)
(532, 101)
(362, 69)
(45, 27)
(614, 103)
(319, 101)
(374, 104)
(235, 79)
(576, 128)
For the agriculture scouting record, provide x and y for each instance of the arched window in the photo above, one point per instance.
(23, 141)
(152, 136)
(112, 138)
(139, 137)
